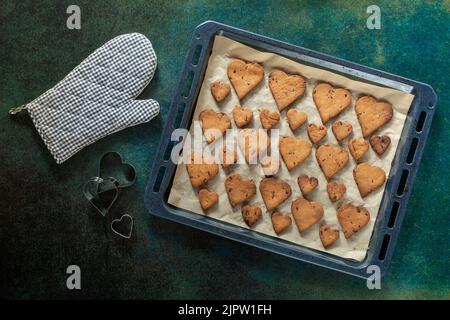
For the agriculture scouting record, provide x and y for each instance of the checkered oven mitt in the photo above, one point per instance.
(97, 98)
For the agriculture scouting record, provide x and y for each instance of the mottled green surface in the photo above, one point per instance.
(45, 224)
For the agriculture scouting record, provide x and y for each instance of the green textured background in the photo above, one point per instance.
(45, 223)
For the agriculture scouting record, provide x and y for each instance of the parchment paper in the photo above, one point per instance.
(182, 194)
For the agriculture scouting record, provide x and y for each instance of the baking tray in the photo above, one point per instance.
(398, 186)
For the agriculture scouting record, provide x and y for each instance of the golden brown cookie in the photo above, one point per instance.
(306, 213)
(294, 151)
(316, 132)
(274, 192)
(253, 143)
(336, 191)
(307, 184)
(358, 148)
(286, 88)
(330, 101)
(220, 90)
(372, 114)
(280, 222)
(380, 144)
(207, 198)
(251, 214)
(214, 124)
(331, 159)
(228, 157)
(328, 235)
(296, 118)
(239, 189)
(242, 116)
(269, 119)
(352, 218)
(244, 76)
(341, 130)
(201, 170)
(368, 178)
(270, 165)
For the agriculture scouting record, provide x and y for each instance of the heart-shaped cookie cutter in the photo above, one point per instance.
(101, 193)
(112, 165)
(116, 223)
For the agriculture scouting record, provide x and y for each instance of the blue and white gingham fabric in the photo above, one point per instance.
(97, 98)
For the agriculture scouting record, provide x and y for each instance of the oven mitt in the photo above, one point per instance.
(97, 98)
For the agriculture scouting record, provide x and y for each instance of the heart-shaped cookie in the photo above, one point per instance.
(280, 222)
(330, 101)
(270, 165)
(331, 159)
(220, 90)
(242, 116)
(201, 170)
(307, 184)
(352, 218)
(112, 165)
(372, 114)
(296, 118)
(316, 132)
(368, 178)
(244, 76)
(101, 193)
(294, 151)
(336, 191)
(269, 119)
(214, 124)
(253, 143)
(229, 156)
(341, 130)
(251, 214)
(286, 88)
(358, 148)
(239, 189)
(274, 192)
(306, 213)
(328, 235)
(123, 226)
(207, 198)
(380, 144)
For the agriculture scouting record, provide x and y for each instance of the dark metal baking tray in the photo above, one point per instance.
(398, 186)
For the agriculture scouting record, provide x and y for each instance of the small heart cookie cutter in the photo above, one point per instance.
(116, 222)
